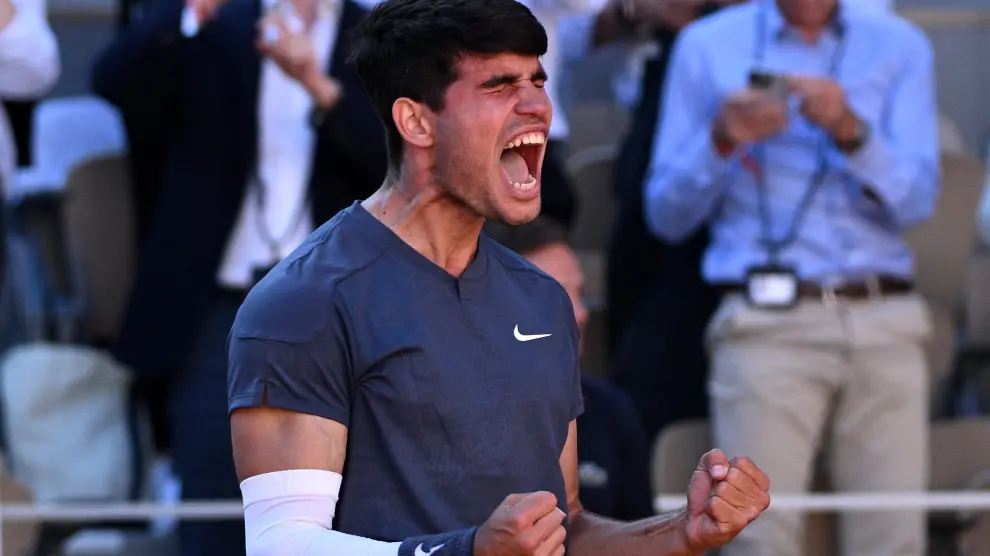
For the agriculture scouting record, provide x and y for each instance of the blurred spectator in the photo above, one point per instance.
(658, 304)
(269, 133)
(29, 66)
(808, 175)
(558, 198)
(612, 450)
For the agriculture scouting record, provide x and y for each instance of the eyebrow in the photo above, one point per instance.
(510, 78)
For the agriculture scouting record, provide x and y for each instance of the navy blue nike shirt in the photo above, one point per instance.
(456, 391)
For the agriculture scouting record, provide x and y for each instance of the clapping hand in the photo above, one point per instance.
(284, 40)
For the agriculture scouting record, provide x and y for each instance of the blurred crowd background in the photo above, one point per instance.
(152, 171)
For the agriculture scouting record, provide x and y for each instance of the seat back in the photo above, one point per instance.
(592, 172)
(67, 132)
(99, 216)
(944, 247)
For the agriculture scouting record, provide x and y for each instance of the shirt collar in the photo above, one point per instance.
(778, 28)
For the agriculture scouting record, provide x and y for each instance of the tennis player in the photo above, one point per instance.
(402, 385)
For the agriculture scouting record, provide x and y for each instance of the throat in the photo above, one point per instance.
(514, 167)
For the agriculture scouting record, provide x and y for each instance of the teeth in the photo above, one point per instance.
(530, 184)
(529, 139)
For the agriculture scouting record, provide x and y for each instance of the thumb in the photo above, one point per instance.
(715, 464)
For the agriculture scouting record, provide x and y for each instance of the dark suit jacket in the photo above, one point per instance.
(203, 94)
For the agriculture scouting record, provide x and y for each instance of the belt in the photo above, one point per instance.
(878, 286)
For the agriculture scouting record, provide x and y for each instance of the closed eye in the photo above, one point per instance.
(538, 78)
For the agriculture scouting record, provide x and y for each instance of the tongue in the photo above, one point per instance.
(514, 166)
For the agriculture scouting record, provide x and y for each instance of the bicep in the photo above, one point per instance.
(267, 440)
(569, 468)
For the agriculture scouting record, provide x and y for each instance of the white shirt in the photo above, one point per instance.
(285, 158)
(550, 13)
(29, 67)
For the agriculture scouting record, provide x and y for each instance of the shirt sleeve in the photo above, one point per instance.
(29, 60)
(899, 164)
(572, 358)
(292, 355)
(686, 175)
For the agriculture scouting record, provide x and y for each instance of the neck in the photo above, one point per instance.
(437, 226)
(809, 26)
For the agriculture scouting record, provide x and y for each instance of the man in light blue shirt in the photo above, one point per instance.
(804, 134)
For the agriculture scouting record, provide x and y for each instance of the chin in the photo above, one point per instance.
(518, 213)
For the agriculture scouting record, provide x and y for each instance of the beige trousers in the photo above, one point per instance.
(849, 375)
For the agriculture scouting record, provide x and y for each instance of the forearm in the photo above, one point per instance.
(663, 535)
(290, 513)
(684, 186)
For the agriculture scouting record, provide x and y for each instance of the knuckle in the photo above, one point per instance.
(529, 544)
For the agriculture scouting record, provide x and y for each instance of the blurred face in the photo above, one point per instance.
(807, 13)
(490, 137)
(560, 262)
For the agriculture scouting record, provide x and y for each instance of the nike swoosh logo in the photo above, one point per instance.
(527, 337)
(420, 552)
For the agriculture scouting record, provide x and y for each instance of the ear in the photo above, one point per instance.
(413, 122)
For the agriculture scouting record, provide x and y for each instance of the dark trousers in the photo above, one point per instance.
(659, 307)
(200, 433)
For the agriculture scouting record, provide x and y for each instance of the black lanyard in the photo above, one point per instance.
(775, 245)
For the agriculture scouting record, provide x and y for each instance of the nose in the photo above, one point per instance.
(534, 102)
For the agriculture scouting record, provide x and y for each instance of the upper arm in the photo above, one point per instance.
(569, 468)
(267, 440)
(29, 59)
(687, 104)
(911, 122)
(289, 383)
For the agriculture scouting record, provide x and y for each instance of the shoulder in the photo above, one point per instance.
(890, 30)
(300, 298)
(525, 274)
(712, 30)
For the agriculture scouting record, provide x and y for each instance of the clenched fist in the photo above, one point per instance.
(723, 497)
(750, 115)
(523, 525)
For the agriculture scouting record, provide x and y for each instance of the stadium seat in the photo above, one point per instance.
(594, 124)
(591, 171)
(99, 216)
(67, 132)
(950, 140)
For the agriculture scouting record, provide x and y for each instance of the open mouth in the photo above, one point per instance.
(520, 160)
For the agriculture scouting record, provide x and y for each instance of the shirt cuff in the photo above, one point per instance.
(708, 165)
(870, 166)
